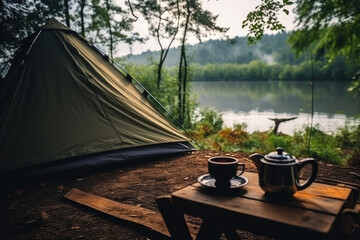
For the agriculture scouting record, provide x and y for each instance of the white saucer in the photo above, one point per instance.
(236, 182)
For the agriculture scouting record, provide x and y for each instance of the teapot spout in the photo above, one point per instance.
(256, 157)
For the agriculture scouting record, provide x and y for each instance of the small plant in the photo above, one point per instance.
(232, 139)
(207, 122)
(348, 138)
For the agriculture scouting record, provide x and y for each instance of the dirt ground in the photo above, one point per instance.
(40, 211)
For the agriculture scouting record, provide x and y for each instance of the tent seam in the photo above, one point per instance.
(102, 107)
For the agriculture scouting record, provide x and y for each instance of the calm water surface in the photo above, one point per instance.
(254, 103)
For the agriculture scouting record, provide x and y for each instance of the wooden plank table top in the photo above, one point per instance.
(315, 211)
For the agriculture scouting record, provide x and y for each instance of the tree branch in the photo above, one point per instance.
(132, 11)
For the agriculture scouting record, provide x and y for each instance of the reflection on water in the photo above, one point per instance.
(254, 103)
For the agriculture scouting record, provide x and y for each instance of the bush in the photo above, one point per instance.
(341, 149)
(348, 138)
(232, 139)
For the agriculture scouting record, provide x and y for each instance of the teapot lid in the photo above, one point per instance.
(279, 156)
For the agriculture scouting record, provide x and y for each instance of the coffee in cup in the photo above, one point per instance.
(224, 168)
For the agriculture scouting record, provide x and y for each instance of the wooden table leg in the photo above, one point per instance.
(212, 229)
(231, 233)
(174, 219)
(209, 230)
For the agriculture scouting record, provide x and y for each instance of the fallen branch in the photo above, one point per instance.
(278, 121)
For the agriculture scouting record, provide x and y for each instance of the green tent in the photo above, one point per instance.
(64, 104)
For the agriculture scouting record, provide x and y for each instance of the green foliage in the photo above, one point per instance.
(233, 138)
(355, 86)
(271, 47)
(111, 24)
(325, 28)
(329, 28)
(201, 22)
(209, 116)
(20, 19)
(270, 59)
(323, 146)
(265, 17)
(340, 148)
(103, 23)
(261, 71)
(163, 18)
(205, 124)
(348, 140)
(166, 93)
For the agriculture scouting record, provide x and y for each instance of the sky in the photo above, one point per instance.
(231, 14)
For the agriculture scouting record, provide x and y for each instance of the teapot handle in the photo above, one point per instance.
(302, 163)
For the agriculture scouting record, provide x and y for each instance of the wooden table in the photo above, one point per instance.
(315, 212)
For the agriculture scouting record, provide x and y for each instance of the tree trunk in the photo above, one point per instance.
(183, 74)
(184, 84)
(161, 62)
(66, 13)
(82, 21)
(108, 23)
(180, 87)
(164, 52)
(162, 59)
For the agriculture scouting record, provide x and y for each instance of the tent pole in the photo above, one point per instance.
(27, 53)
(32, 44)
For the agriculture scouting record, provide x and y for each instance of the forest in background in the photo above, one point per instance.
(270, 59)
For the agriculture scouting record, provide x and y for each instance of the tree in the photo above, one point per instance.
(67, 13)
(197, 21)
(102, 22)
(327, 28)
(21, 18)
(331, 29)
(111, 24)
(265, 16)
(82, 5)
(12, 21)
(164, 19)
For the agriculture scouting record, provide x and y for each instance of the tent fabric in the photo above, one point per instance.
(62, 99)
(94, 162)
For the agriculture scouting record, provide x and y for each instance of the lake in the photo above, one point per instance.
(255, 102)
